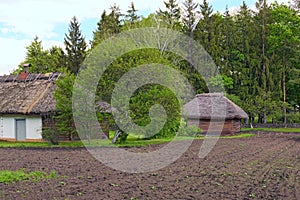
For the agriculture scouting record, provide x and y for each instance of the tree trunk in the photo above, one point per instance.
(284, 90)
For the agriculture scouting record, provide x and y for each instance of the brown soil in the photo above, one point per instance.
(266, 166)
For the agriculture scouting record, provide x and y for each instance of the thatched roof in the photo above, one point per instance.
(32, 95)
(213, 105)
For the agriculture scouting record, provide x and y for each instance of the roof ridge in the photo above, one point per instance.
(31, 77)
(237, 108)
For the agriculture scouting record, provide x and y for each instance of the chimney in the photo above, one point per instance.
(26, 66)
(23, 75)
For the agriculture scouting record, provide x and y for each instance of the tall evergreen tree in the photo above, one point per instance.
(115, 19)
(189, 19)
(208, 30)
(131, 15)
(99, 34)
(228, 44)
(37, 57)
(108, 25)
(57, 59)
(43, 61)
(63, 96)
(247, 72)
(76, 46)
(284, 42)
(171, 15)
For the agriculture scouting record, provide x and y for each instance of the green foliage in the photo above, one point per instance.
(218, 82)
(131, 15)
(190, 131)
(110, 24)
(63, 97)
(293, 118)
(148, 95)
(51, 134)
(7, 176)
(75, 46)
(283, 130)
(190, 12)
(171, 15)
(73, 144)
(121, 138)
(256, 51)
(43, 61)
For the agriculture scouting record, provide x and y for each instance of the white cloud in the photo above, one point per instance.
(13, 52)
(35, 17)
(29, 18)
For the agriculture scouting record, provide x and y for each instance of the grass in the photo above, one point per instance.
(284, 130)
(130, 142)
(39, 144)
(243, 135)
(7, 176)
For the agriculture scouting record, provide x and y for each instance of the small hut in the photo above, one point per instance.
(215, 112)
(26, 101)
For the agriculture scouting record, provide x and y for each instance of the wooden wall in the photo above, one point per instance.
(230, 126)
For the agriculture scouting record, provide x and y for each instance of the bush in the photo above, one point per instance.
(293, 118)
(120, 137)
(193, 131)
(51, 135)
(190, 130)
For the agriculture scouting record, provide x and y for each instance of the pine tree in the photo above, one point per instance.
(190, 16)
(63, 96)
(171, 15)
(228, 44)
(248, 69)
(265, 80)
(108, 25)
(284, 42)
(131, 15)
(58, 59)
(99, 35)
(115, 19)
(76, 46)
(37, 57)
(190, 22)
(205, 29)
(42, 61)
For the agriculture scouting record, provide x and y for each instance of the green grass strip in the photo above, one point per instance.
(284, 130)
(7, 176)
(130, 142)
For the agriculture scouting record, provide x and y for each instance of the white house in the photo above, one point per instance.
(25, 102)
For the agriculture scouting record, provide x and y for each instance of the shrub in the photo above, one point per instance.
(293, 118)
(190, 130)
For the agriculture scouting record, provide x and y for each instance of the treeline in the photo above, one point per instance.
(256, 51)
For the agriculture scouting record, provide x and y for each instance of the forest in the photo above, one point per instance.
(256, 51)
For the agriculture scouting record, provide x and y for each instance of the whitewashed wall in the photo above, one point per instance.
(8, 126)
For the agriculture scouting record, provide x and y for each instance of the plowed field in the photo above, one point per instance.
(266, 166)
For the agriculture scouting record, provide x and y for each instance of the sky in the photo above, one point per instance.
(22, 20)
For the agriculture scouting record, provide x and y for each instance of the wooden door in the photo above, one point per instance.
(20, 129)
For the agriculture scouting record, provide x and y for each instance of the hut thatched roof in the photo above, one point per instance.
(32, 95)
(213, 105)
